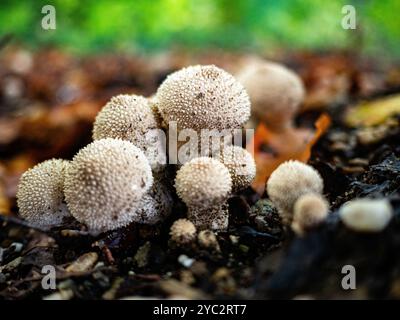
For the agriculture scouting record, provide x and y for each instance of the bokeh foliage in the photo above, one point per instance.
(149, 25)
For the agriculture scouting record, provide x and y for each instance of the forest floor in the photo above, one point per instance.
(47, 106)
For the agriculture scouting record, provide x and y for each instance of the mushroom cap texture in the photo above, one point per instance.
(156, 205)
(366, 215)
(104, 183)
(131, 118)
(40, 194)
(309, 210)
(203, 97)
(183, 231)
(275, 91)
(291, 180)
(241, 166)
(203, 182)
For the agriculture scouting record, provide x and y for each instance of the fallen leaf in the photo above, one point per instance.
(372, 113)
(271, 149)
(84, 263)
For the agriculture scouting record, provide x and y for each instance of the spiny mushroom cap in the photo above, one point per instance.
(203, 97)
(131, 118)
(309, 211)
(105, 181)
(126, 117)
(366, 215)
(291, 180)
(155, 205)
(241, 166)
(183, 231)
(275, 91)
(40, 194)
(203, 182)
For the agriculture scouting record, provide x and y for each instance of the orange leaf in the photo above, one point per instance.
(270, 149)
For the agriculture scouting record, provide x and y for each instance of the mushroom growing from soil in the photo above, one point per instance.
(183, 232)
(241, 166)
(288, 182)
(276, 94)
(131, 118)
(40, 196)
(366, 215)
(105, 183)
(310, 210)
(204, 184)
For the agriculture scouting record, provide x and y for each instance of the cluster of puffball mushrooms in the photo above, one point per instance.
(119, 178)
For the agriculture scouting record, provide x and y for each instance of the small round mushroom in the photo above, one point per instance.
(204, 184)
(183, 232)
(203, 97)
(366, 215)
(310, 210)
(131, 118)
(105, 183)
(40, 196)
(241, 166)
(288, 182)
(276, 92)
(208, 240)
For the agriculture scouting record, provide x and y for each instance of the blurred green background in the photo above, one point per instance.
(245, 25)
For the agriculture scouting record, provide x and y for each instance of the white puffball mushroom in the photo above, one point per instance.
(131, 118)
(276, 92)
(183, 232)
(366, 215)
(40, 196)
(204, 184)
(105, 182)
(310, 210)
(156, 205)
(241, 166)
(203, 97)
(288, 182)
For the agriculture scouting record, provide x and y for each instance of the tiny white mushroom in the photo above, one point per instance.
(366, 215)
(310, 210)
(288, 182)
(183, 232)
(204, 184)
